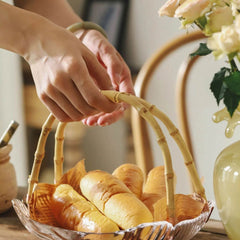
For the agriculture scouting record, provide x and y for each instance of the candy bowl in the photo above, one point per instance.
(67, 209)
(156, 230)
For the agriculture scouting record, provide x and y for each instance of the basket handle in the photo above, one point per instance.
(58, 152)
(175, 134)
(39, 155)
(147, 111)
(143, 106)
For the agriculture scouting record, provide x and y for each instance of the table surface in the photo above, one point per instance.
(12, 229)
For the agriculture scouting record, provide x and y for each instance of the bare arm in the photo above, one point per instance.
(67, 75)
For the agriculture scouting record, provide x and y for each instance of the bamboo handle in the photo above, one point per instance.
(161, 140)
(39, 155)
(58, 152)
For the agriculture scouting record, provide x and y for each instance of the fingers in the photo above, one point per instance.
(89, 89)
(56, 110)
(116, 67)
(72, 96)
(104, 119)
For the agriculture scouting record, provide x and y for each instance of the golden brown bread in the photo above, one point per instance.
(155, 182)
(72, 211)
(132, 176)
(114, 199)
(186, 207)
(154, 188)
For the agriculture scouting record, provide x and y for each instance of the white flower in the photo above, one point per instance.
(191, 10)
(237, 23)
(169, 8)
(235, 6)
(218, 17)
(225, 42)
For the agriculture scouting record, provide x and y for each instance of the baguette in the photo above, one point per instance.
(113, 198)
(72, 211)
(132, 176)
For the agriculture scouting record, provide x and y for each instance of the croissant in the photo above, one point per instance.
(114, 199)
(132, 176)
(72, 211)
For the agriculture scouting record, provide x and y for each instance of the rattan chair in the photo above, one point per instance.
(143, 153)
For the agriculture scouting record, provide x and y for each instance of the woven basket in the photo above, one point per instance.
(157, 230)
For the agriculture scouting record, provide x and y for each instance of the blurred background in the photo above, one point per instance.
(136, 30)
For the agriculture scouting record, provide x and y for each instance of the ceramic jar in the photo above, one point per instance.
(8, 182)
(226, 180)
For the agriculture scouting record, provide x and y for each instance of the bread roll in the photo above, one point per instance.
(154, 188)
(72, 211)
(155, 182)
(186, 207)
(132, 176)
(114, 199)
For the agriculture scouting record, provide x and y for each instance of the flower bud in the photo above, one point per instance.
(169, 8)
(191, 10)
(218, 17)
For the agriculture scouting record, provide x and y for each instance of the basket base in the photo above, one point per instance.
(156, 230)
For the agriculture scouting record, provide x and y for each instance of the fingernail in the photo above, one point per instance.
(104, 124)
(123, 108)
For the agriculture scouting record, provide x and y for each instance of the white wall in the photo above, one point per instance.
(11, 108)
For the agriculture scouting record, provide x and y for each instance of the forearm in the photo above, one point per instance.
(58, 11)
(17, 27)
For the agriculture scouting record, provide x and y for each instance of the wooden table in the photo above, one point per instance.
(12, 229)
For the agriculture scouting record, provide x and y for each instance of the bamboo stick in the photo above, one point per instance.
(175, 134)
(39, 155)
(145, 113)
(58, 151)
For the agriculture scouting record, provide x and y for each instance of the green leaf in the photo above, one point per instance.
(233, 82)
(217, 85)
(201, 22)
(231, 101)
(203, 50)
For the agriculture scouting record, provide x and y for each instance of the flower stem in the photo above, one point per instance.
(233, 64)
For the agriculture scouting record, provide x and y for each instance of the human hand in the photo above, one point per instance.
(116, 68)
(68, 77)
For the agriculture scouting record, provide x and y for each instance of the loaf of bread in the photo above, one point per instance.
(155, 182)
(112, 197)
(154, 188)
(72, 211)
(132, 176)
(186, 207)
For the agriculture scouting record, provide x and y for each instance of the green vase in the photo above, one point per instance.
(226, 180)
